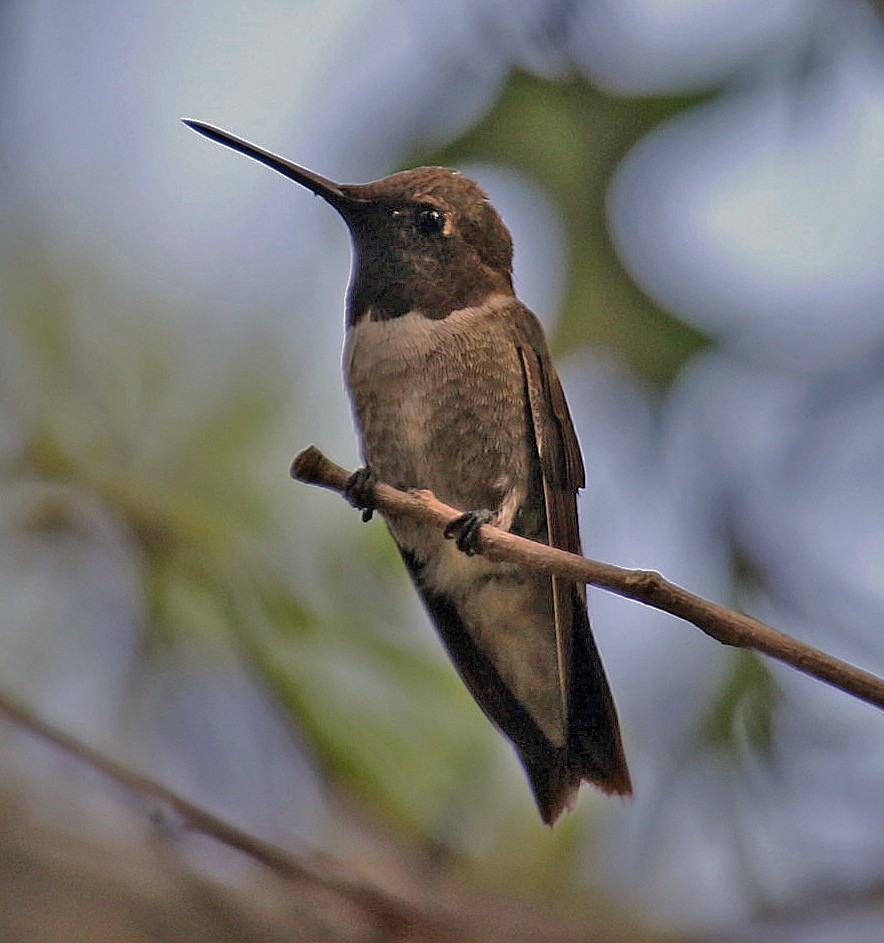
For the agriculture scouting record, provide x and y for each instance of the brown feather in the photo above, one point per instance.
(599, 757)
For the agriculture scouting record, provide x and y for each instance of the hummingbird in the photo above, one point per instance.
(453, 390)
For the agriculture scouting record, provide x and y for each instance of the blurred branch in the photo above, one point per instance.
(725, 625)
(410, 902)
(397, 917)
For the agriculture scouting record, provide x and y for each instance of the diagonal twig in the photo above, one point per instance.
(394, 913)
(646, 586)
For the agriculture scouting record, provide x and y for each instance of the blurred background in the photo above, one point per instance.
(696, 194)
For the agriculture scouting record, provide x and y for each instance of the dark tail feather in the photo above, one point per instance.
(595, 750)
(554, 785)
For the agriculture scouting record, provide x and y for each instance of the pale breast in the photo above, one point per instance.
(440, 404)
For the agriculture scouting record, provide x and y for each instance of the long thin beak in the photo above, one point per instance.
(325, 188)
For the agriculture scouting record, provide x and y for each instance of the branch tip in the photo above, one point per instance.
(307, 465)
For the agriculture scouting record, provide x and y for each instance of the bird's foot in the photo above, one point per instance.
(359, 491)
(465, 529)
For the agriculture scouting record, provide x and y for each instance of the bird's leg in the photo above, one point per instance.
(465, 529)
(359, 491)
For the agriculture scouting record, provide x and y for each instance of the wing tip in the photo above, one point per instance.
(614, 779)
(555, 789)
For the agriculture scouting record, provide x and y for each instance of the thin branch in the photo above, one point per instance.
(725, 625)
(394, 914)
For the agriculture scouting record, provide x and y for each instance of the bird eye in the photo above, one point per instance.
(430, 221)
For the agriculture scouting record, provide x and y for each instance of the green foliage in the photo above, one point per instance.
(171, 442)
(740, 719)
(112, 406)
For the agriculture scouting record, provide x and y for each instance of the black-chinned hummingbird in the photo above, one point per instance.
(453, 390)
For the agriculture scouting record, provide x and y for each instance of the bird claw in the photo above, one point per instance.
(465, 530)
(359, 491)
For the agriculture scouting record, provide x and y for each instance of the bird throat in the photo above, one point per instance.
(377, 292)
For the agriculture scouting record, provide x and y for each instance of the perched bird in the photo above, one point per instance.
(453, 390)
